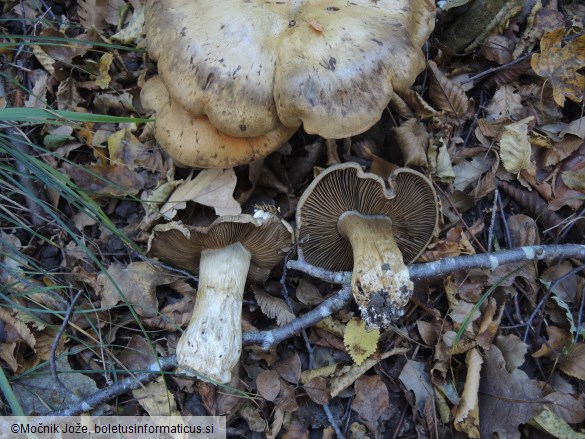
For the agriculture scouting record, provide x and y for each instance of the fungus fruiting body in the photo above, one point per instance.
(225, 254)
(352, 220)
(259, 70)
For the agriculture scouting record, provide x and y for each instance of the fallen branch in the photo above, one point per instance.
(269, 338)
(130, 383)
(450, 265)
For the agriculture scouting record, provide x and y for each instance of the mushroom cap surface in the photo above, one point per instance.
(409, 201)
(267, 238)
(218, 59)
(194, 141)
(339, 65)
(252, 65)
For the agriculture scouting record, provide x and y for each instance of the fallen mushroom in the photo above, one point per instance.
(254, 68)
(349, 218)
(225, 254)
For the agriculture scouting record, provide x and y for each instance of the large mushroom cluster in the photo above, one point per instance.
(237, 78)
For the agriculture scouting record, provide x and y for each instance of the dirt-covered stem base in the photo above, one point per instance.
(381, 284)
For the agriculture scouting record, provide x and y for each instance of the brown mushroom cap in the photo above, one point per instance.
(410, 202)
(193, 141)
(339, 65)
(267, 240)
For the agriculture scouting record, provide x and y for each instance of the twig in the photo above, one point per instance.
(494, 260)
(332, 421)
(267, 339)
(447, 266)
(496, 69)
(52, 362)
(130, 383)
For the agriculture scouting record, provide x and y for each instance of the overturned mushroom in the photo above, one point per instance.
(225, 254)
(348, 219)
(255, 68)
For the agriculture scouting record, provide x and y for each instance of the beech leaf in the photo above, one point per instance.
(371, 401)
(573, 363)
(211, 187)
(413, 140)
(515, 146)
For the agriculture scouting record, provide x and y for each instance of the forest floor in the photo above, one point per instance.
(496, 121)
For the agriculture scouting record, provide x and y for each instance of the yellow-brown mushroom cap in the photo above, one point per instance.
(251, 65)
(339, 65)
(193, 141)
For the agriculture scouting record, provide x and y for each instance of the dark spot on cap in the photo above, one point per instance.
(243, 128)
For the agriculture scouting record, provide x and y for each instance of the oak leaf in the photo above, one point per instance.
(560, 65)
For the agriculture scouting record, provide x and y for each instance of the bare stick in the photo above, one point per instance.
(447, 266)
(55, 344)
(267, 339)
(130, 383)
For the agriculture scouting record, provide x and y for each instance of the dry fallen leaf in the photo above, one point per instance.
(137, 282)
(466, 412)
(506, 400)
(515, 147)
(513, 350)
(211, 187)
(98, 14)
(360, 342)
(506, 104)
(573, 363)
(103, 79)
(560, 65)
(416, 379)
(371, 401)
(448, 95)
(268, 384)
(273, 307)
(413, 140)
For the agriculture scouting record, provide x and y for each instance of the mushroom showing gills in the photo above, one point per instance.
(348, 219)
(225, 254)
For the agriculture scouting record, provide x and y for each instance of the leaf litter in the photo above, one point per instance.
(509, 363)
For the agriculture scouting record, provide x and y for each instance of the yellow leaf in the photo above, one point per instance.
(515, 146)
(103, 79)
(560, 65)
(360, 343)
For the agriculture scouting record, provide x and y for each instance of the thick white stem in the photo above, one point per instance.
(212, 343)
(381, 284)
